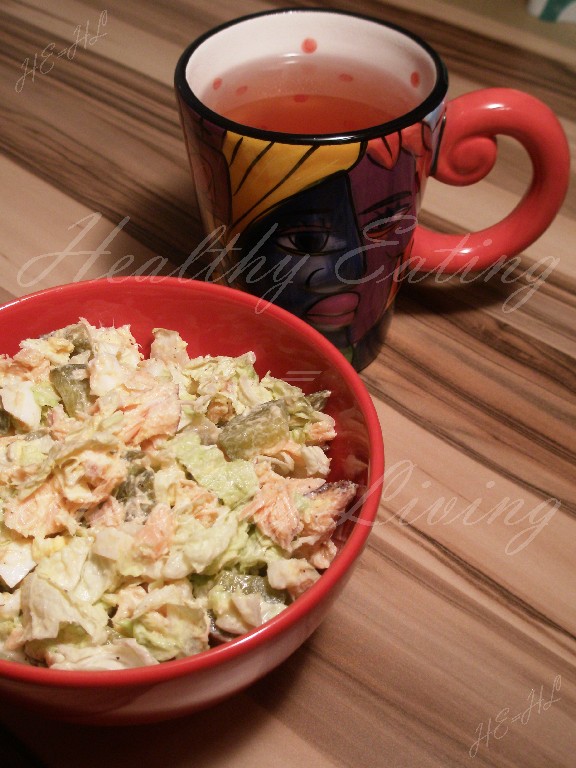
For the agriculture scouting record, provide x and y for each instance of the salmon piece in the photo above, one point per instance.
(324, 506)
(274, 508)
(60, 425)
(126, 600)
(28, 364)
(154, 538)
(90, 477)
(274, 512)
(220, 409)
(42, 513)
(153, 412)
(204, 504)
(109, 514)
(320, 432)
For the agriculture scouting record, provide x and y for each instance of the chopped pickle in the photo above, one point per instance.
(36, 435)
(266, 425)
(5, 422)
(245, 436)
(137, 490)
(134, 454)
(72, 386)
(78, 335)
(245, 584)
(248, 584)
(318, 399)
(303, 407)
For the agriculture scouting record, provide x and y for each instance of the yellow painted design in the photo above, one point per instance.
(262, 173)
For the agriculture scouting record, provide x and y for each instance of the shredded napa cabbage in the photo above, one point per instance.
(151, 507)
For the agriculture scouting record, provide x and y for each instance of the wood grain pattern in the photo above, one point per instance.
(462, 611)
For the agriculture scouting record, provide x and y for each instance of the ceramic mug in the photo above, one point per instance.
(311, 134)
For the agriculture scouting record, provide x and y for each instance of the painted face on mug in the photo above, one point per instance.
(311, 246)
(331, 250)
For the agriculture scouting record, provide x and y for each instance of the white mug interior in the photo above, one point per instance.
(290, 33)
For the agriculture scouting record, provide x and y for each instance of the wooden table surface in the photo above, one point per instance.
(454, 643)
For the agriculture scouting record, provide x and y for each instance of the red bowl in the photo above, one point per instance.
(218, 321)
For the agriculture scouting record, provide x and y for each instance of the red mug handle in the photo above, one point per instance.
(467, 154)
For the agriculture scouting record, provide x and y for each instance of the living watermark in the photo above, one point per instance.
(43, 63)
(528, 521)
(498, 727)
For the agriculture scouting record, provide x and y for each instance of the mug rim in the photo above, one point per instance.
(424, 108)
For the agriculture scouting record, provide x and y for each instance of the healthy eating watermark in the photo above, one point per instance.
(43, 63)
(527, 520)
(214, 259)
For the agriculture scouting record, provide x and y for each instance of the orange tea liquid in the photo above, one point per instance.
(310, 95)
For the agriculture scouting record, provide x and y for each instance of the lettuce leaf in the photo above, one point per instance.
(234, 482)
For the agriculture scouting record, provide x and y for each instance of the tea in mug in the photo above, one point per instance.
(296, 94)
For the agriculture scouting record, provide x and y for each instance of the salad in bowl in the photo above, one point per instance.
(154, 506)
